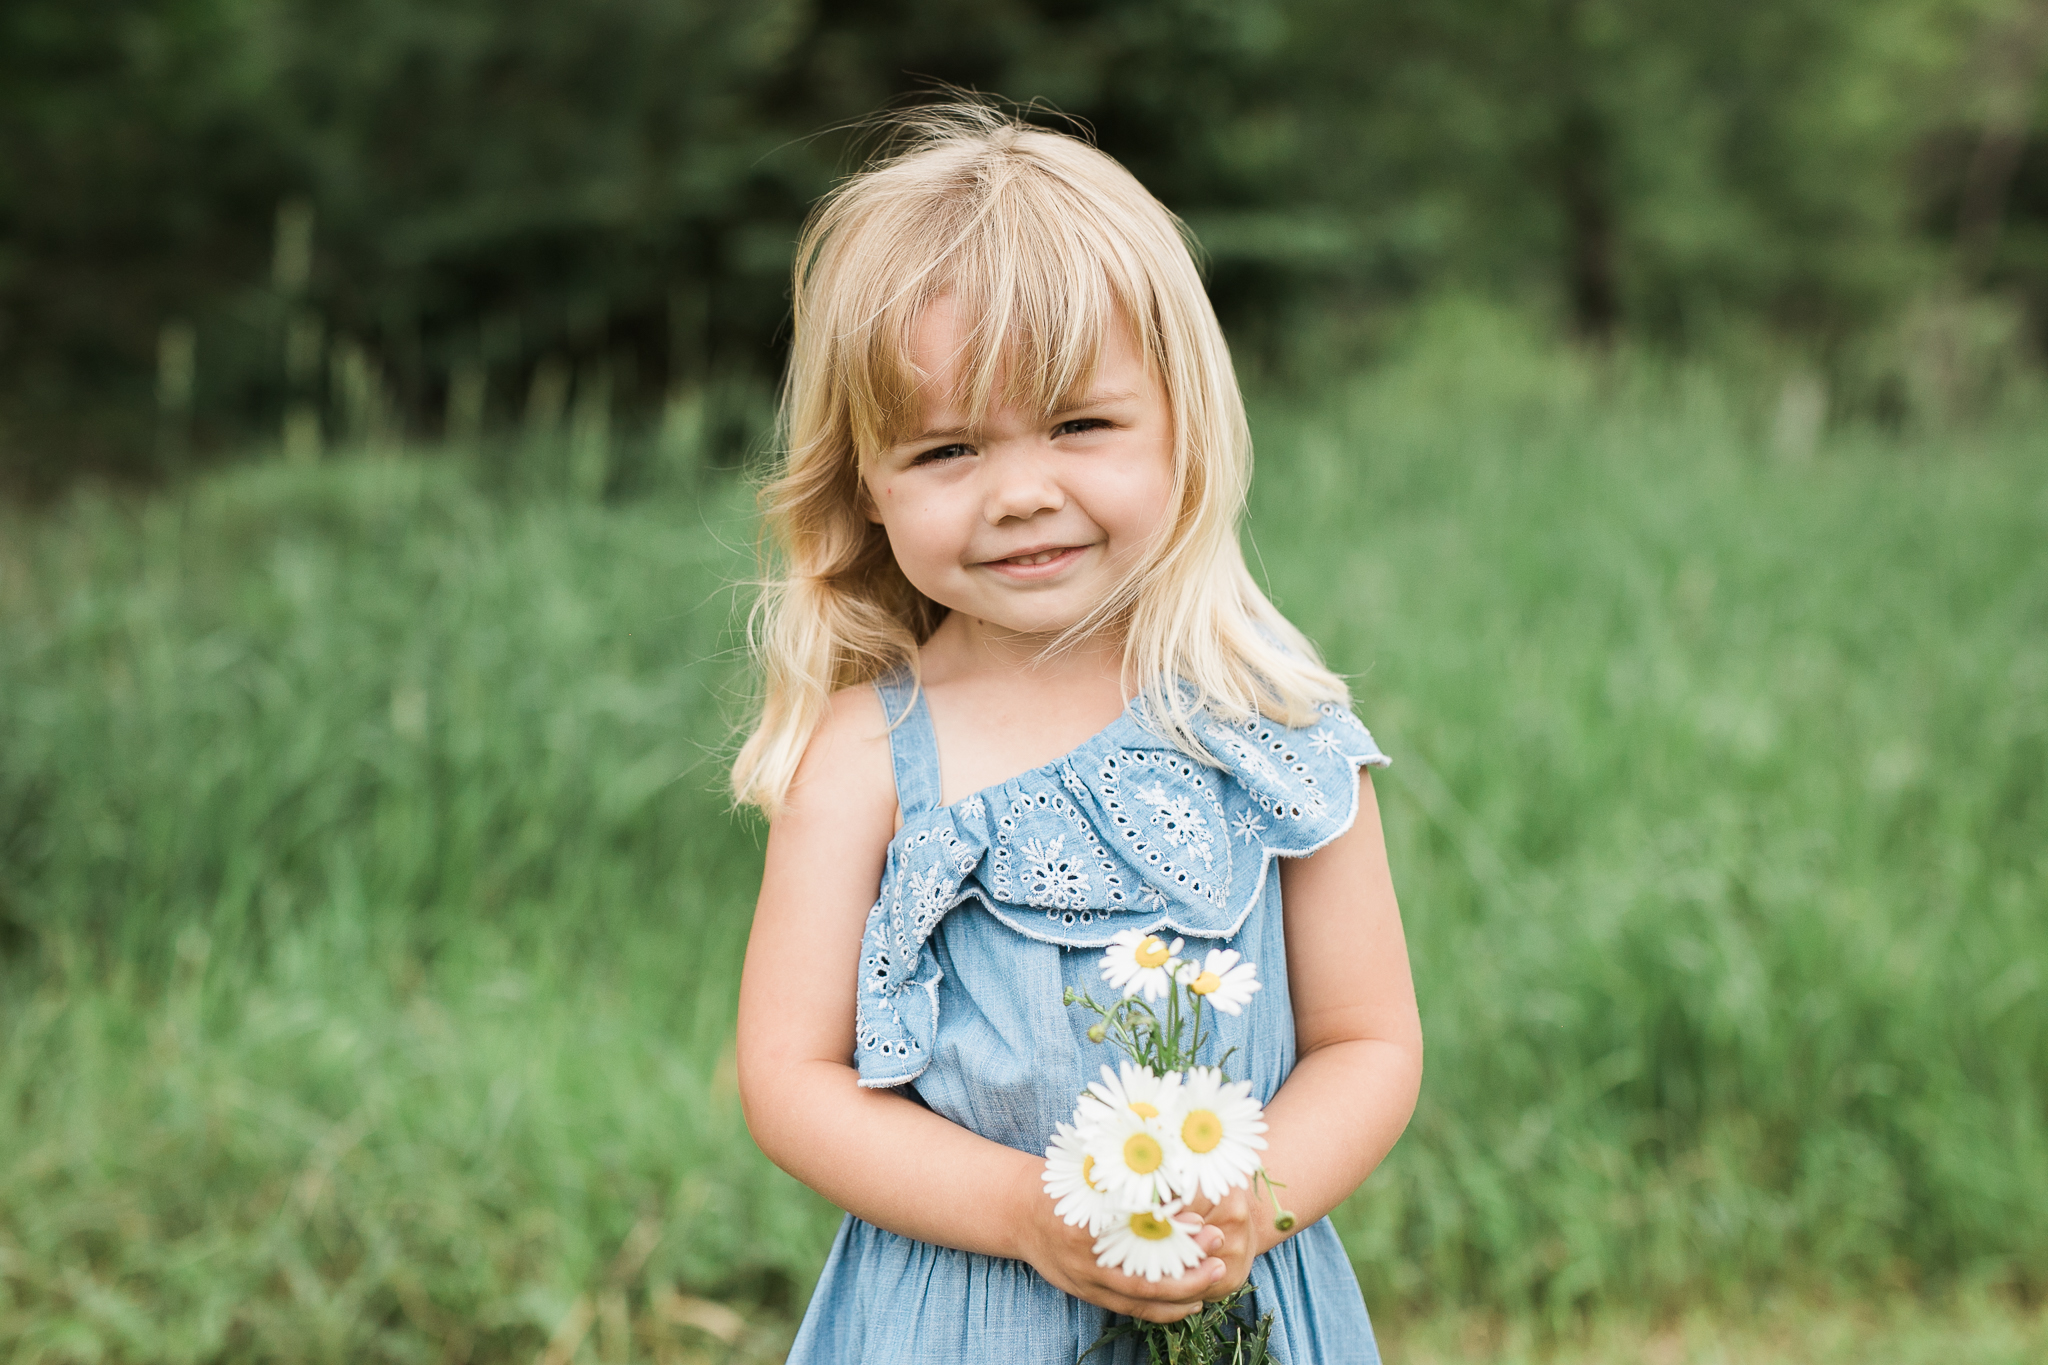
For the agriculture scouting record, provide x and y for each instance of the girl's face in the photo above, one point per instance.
(1025, 521)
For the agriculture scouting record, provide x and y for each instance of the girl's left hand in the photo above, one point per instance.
(1232, 1217)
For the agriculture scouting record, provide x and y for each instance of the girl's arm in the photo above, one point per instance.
(1358, 1037)
(874, 1153)
(1358, 1040)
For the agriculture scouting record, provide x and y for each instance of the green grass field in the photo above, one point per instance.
(371, 911)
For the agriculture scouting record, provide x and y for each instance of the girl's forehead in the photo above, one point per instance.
(939, 338)
(956, 370)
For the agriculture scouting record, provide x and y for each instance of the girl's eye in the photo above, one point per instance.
(1079, 425)
(939, 453)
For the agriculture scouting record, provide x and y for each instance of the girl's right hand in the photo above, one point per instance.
(1066, 1257)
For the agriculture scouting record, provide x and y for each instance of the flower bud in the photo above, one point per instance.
(1097, 1032)
(1285, 1222)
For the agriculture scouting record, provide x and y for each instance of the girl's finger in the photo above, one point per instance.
(1149, 1301)
(1146, 1310)
(1188, 1287)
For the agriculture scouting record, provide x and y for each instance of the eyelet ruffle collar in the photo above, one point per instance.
(1125, 832)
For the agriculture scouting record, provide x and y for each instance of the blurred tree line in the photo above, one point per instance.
(304, 221)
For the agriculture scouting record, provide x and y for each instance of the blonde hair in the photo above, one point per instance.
(1045, 243)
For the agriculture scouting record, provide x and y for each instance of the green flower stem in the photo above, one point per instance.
(1283, 1219)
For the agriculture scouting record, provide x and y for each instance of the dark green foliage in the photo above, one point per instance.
(518, 206)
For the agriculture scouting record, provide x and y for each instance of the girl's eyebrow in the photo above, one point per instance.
(935, 434)
(1100, 400)
(1093, 400)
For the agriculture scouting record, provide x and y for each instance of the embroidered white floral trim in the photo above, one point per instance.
(1123, 835)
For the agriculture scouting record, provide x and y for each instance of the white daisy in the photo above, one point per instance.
(1151, 1243)
(1137, 1158)
(1220, 1127)
(1067, 1170)
(1137, 961)
(1222, 979)
(1131, 1087)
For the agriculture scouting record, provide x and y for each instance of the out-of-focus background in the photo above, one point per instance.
(1651, 419)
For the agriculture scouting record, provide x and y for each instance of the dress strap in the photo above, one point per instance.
(913, 746)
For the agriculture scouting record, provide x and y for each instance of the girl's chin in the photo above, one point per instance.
(977, 621)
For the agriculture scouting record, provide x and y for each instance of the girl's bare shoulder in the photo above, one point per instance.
(846, 772)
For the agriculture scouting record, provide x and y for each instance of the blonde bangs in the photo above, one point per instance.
(1045, 244)
(1040, 303)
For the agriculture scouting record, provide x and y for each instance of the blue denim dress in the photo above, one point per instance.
(991, 907)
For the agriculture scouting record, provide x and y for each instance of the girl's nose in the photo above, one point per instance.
(1020, 487)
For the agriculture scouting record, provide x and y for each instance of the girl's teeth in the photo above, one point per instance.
(1042, 557)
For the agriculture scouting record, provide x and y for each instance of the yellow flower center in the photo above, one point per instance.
(1150, 1227)
(1151, 953)
(1088, 1173)
(1205, 983)
(1142, 1154)
(1144, 1110)
(1201, 1130)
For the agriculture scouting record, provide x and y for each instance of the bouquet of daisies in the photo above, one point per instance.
(1161, 1129)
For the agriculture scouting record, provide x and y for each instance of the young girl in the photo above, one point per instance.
(1022, 695)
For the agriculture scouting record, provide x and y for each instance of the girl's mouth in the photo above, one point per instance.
(1038, 563)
